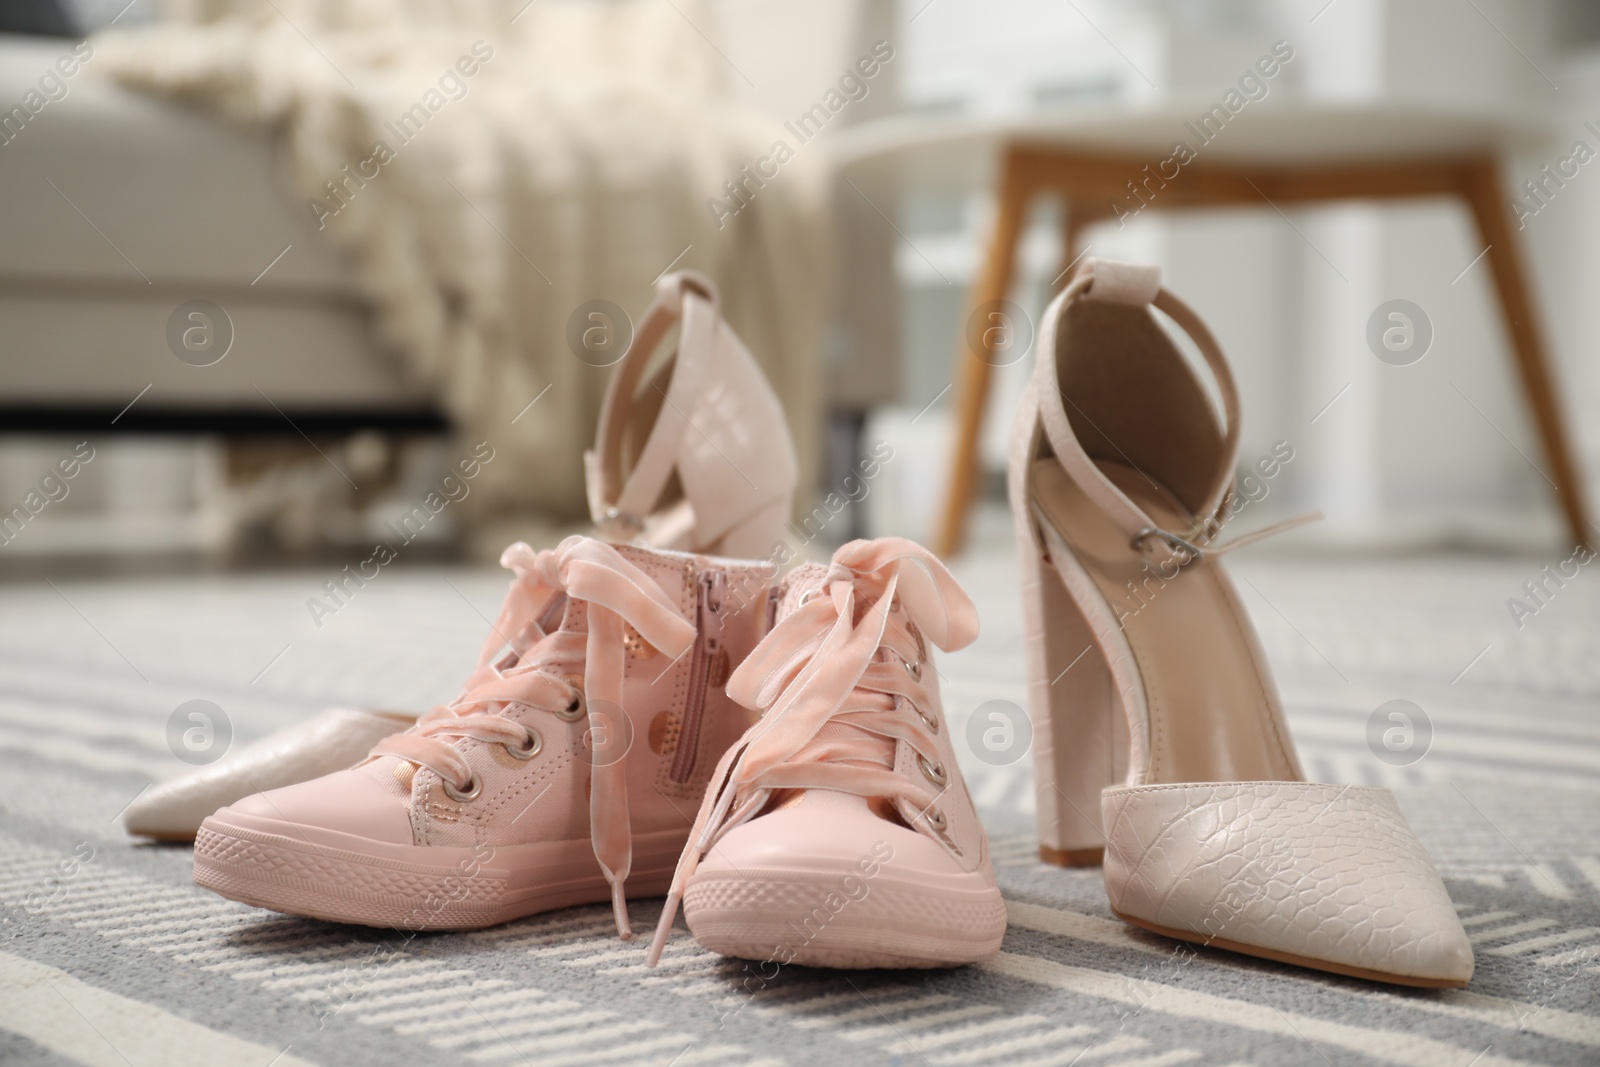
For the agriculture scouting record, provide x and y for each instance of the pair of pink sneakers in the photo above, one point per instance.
(768, 751)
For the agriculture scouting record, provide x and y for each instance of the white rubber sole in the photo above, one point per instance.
(320, 874)
(807, 917)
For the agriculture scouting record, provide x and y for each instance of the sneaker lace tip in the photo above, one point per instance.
(663, 930)
(619, 907)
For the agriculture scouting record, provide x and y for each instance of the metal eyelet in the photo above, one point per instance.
(913, 669)
(529, 748)
(574, 710)
(936, 820)
(461, 796)
(933, 772)
(928, 720)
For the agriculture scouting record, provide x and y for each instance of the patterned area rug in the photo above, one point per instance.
(112, 956)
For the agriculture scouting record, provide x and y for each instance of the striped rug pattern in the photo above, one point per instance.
(112, 956)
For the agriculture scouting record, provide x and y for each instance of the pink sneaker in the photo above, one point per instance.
(838, 831)
(565, 773)
(659, 475)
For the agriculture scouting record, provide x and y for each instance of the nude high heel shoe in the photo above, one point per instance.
(330, 741)
(699, 456)
(1159, 736)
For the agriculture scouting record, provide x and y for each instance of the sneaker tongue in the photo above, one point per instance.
(808, 578)
(805, 579)
(823, 798)
(563, 614)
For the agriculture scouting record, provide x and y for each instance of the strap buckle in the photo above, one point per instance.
(1186, 550)
(619, 525)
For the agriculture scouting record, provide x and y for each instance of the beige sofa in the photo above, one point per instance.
(118, 209)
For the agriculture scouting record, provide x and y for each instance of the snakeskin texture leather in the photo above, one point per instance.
(1300, 869)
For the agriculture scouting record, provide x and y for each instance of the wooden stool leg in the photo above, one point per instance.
(1073, 222)
(974, 370)
(1488, 201)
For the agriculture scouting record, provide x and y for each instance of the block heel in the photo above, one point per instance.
(1079, 743)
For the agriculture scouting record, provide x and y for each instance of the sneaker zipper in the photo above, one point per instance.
(706, 650)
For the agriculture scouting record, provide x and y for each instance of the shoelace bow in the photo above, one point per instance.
(817, 667)
(617, 594)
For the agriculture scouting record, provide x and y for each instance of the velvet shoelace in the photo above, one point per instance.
(617, 594)
(831, 706)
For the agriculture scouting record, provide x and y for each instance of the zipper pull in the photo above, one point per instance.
(713, 600)
(713, 587)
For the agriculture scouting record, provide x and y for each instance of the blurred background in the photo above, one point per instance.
(274, 342)
(297, 292)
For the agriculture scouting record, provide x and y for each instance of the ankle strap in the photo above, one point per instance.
(616, 506)
(1136, 286)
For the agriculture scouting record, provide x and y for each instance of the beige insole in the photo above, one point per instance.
(1214, 713)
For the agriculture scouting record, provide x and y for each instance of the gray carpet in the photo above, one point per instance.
(112, 956)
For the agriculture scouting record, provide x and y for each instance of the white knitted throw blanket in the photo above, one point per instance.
(488, 168)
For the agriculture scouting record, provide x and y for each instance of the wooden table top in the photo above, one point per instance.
(933, 153)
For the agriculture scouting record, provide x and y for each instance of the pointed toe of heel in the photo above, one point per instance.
(1322, 876)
